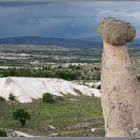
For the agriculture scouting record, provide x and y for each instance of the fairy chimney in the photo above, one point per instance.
(120, 88)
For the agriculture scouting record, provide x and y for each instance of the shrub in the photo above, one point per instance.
(2, 133)
(99, 86)
(11, 97)
(2, 99)
(22, 116)
(48, 98)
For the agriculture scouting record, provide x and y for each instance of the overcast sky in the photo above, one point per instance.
(67, 20)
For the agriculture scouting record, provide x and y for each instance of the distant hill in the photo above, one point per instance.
(89, 42)
(93, 38)
(70, 43)
(136, 42)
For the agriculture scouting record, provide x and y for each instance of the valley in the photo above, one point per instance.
(70, 115)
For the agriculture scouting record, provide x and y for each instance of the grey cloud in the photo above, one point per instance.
(71, 20)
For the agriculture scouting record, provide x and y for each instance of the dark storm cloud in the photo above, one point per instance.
(69, 20)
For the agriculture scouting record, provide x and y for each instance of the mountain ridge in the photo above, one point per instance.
(36, 40)
(89, 42)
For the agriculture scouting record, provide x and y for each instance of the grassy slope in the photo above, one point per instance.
(62, 115)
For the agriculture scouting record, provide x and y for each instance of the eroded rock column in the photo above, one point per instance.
(120, 88)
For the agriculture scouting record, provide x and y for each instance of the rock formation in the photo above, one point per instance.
(120, 90)
(26, 88)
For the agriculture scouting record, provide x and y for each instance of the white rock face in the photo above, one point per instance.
(92, 84)
(26, 89)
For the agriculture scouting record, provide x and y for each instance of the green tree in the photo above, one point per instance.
(22, 116)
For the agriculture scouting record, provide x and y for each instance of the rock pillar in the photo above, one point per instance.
(120, 91)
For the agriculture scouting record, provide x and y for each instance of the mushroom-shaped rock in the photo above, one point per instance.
(116, 32)
(120, 88)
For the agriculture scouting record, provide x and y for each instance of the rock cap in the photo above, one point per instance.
(116, 32)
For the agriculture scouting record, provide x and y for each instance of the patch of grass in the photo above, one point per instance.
(61, 115)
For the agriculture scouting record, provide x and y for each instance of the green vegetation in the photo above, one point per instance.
(48, 98)
(61, 115)
(67, 75)
(70, 73)
(22, 116)
(2, 99)
(50, 61)
(38, 56)
(11, 97)
(3, 133)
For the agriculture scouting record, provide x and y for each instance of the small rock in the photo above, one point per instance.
(93, 129)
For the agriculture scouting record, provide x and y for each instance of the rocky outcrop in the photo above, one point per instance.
(116, 32)
(26, 88)
(15, 133)
(120, 88)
